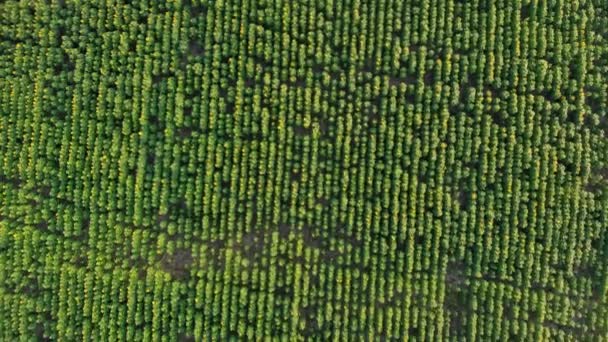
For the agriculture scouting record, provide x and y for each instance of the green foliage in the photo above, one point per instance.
(326, 170)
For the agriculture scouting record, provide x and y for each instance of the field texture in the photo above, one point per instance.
(303, 170)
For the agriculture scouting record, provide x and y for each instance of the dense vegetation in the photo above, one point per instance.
(311, 169)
